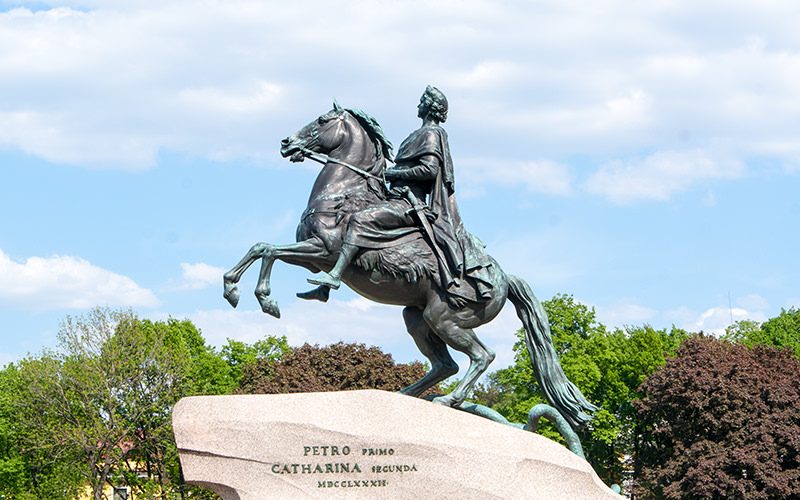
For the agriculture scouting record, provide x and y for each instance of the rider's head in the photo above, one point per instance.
(436, 103)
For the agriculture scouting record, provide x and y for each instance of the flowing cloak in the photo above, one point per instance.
(465, 274)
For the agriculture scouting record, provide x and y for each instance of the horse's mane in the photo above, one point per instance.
(371, 125)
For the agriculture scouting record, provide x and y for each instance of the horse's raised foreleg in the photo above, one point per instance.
(306, 251)
(444, 323)
(229, 279)
(433, 348)
(268, 305)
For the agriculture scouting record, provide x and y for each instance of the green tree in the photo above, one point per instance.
(607, 367)
(99, 406)
(721, 421)
(86, 401)
(780, 331)
(199, 370)
(12, 463)
(30, 475)
(238, 354)
(634, 353)
(742, 331)
(336, 367)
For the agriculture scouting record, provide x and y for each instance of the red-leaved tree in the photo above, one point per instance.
(722, 421)
(336, 367)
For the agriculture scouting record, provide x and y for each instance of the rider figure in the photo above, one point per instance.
(423, 171)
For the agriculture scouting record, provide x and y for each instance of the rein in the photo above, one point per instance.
(324, 159)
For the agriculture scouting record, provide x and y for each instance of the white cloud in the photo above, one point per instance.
(624, 314)
(620, 113)
(659, 176)
(676, 65)
(256, 98)
(199, 275)
(712, 321)
(65, 282)
(716, 319)
(112, 86)
(753, 302)
(57, 137)
(542, 176)
(487, 75)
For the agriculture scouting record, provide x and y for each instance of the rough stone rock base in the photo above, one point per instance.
(368, 445)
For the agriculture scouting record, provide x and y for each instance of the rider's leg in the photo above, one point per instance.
(377, 219)
(333, 279)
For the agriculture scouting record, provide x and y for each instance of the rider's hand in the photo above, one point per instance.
(400, 190)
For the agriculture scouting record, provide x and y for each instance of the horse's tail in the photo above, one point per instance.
(559, 391)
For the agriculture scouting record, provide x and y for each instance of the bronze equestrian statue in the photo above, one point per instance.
(406, 245)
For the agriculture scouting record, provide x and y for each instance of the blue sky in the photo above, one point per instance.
(643, 157)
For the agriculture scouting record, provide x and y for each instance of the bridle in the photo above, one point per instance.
(321, 158)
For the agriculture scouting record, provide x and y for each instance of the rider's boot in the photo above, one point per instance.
(333, 279)
(320, 293)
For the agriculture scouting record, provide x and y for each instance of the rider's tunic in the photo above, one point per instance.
(424, 166)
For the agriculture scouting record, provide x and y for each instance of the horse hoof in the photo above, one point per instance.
(270, 306)
(231, 294)
(446, 400)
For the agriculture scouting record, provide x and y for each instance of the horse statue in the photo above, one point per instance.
(351, 181)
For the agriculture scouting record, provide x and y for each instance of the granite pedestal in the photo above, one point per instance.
(368, 445)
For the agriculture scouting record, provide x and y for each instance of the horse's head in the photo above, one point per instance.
(346, 134)
(323, 135)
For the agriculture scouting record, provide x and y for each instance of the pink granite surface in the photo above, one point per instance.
(368, 445)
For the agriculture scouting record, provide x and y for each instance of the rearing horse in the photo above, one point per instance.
(350, 181)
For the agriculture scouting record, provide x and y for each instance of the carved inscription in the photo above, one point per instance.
(346, 466)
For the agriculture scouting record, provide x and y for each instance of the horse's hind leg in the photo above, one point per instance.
(430, 345)
(443, 322)
(229, 280)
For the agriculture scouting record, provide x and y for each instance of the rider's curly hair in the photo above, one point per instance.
(437, 103)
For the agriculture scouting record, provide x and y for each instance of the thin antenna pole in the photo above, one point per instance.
(730, 306)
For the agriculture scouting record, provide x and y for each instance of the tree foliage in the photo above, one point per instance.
(336, 367)
(27, 474)
(198, 369)
(780, 331)
(721, 421)
(238, 354)
(97, 410)
(607, 367)
(107, 389)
